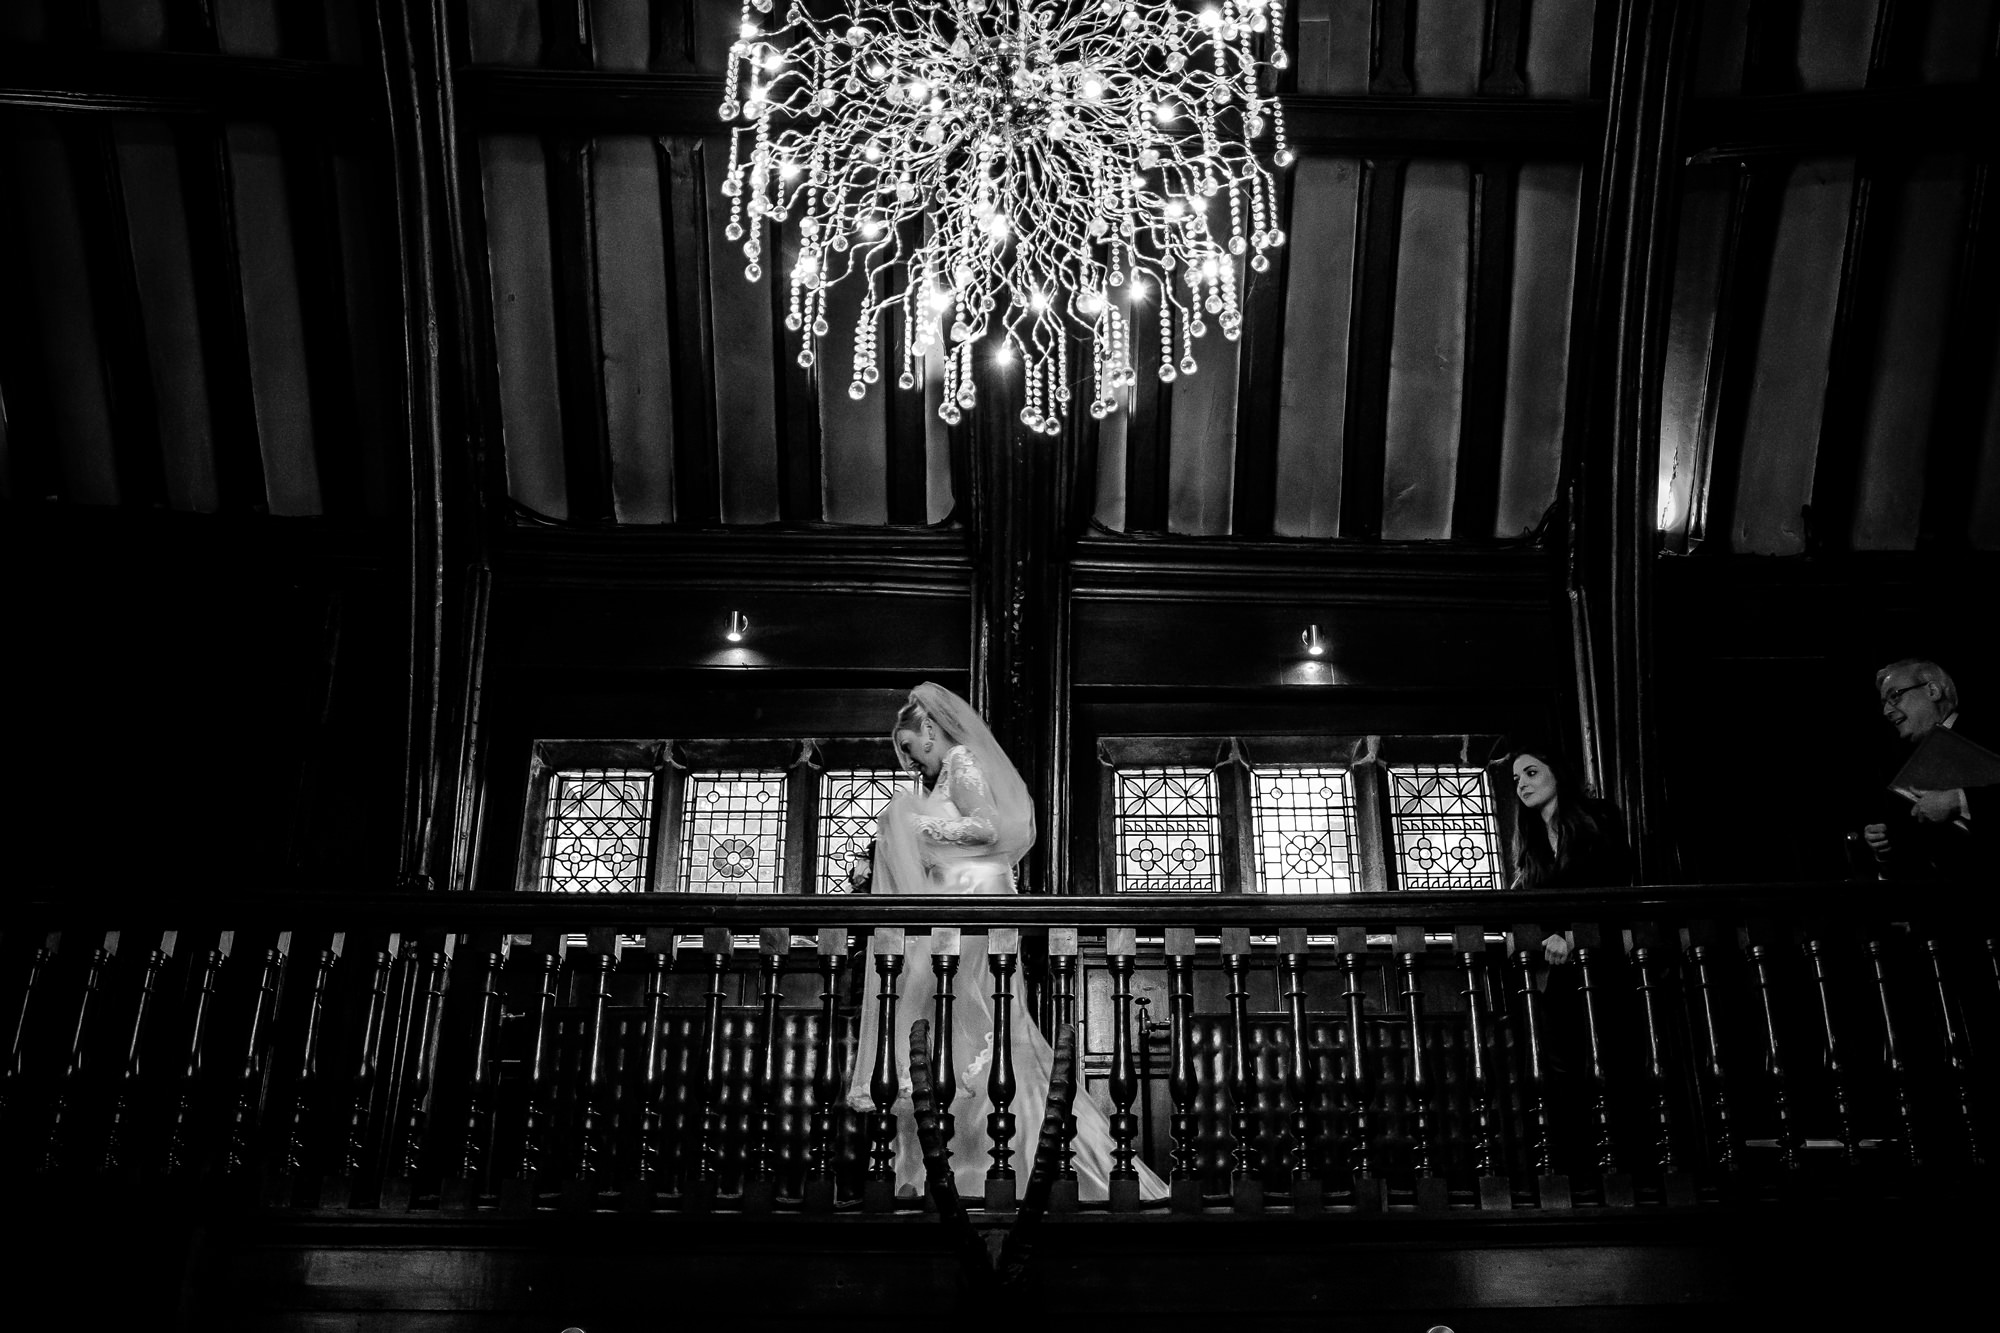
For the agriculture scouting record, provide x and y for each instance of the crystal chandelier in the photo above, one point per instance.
(1011, 169)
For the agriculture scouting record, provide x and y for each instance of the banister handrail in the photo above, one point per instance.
(524, 912)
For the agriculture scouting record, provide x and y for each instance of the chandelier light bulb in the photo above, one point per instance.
(1014, 159)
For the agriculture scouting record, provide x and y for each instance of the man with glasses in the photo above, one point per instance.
(1945, 832)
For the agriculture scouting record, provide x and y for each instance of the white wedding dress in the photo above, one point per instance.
(955, 816)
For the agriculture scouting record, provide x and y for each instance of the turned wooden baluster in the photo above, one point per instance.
(879, 1190)
(1956, 1050)
(250, 1071)
(351, 1157)
(520, 1193)
(1892, 1051)
(13, 1087)
(830, 1095)
(475, 1131)
(1182, 1079)
(1370, 1191)
(1494, 1191)
(295, 1115)
(1246, 1181)
(947, 944)
(1064, 950)
(760, 1187)
(1003, 956)
(1763, 943)
(416, 1123)
(59, 1129)
(1524, 944)
(1652, 960)
(588, 1175)
(120, 1125)
(1121, 948)
(1433, 1193)
(1701, 943)
(720, 946)
(1819, 955)
(180, 1147)
(1307, 1194)
(1063, 957)
(1596, 965)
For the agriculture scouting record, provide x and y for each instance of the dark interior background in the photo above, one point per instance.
(380, 396)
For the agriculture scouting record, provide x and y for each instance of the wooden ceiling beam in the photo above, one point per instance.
(1489, 311)
(51, 78)
(1372, 329)
(510, 99)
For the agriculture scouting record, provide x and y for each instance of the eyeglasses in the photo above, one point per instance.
(1894, 698)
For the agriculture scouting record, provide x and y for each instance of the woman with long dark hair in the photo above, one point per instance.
(1563, 837)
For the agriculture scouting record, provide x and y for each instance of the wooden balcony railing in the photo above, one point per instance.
(452, 1054)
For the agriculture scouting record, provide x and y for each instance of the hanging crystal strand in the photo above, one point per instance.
(1062, 375)
(1166, 330)
(1231, 314)
(1188, 366)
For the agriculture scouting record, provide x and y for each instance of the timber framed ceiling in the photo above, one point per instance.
(202, 292)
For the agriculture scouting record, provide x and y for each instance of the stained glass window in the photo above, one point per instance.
(1305, 829)
(733, 832)
(1167, 827)
(850, 801)
(1444, 834)
(595, 832)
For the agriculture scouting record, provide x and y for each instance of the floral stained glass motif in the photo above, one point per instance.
(1443, 828)
(733, 838)
(597, 828)
(1167, 831)
(850, 801)
(1305, 829)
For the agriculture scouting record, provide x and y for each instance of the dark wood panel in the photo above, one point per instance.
(1371, 334)
(314, 207)
(579, 350)
(684, 202)
(1392, 45)
(1972, 328)
(1260, 370)
(1482, 419)
(801, 496)
(186, 83)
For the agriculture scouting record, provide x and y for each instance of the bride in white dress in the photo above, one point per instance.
(962, 833)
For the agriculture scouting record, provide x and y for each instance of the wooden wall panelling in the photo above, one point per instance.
(747, 351)
(1392, 37)
(853, 432)
(313, 203)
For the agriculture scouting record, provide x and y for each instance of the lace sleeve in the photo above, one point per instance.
(969, 794)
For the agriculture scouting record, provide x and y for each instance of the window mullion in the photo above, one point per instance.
(1369, 780)
(672, 797)
(1239, 841)
(800, 874)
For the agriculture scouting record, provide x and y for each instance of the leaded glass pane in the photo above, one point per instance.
(1168, 835)
(850, 801)
(1442, 822)
(1305, 829)
(595, 832)
(734, 838)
